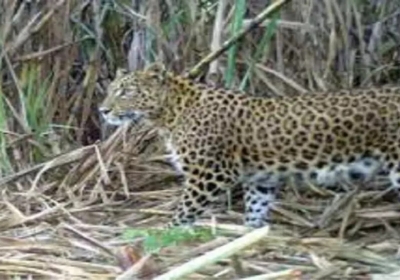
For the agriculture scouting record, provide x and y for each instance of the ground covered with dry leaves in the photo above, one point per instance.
(82, 214)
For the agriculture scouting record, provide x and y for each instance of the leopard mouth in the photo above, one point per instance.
(121, 118)
(131, 116)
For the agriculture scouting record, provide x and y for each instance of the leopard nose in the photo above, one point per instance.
(104, 110)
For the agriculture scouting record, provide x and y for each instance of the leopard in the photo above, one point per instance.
(218, 138)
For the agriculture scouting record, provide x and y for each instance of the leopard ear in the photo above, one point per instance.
(156, 67)
(121, 72)
(158, 70)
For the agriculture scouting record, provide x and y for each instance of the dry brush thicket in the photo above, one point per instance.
(66, 198)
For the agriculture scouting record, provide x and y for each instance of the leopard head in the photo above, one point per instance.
(134, 96)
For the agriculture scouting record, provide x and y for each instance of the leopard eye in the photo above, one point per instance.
(122, 93)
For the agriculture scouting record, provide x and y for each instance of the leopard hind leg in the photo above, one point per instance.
(260, 191)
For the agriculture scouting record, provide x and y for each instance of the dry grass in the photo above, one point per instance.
(67, 200)
(74, 225)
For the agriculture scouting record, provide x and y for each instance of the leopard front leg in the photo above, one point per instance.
(192, 204)
(206, 163)
(200, 190)
(205, 179)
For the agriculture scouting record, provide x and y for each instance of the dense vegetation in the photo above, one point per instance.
(57, 57)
